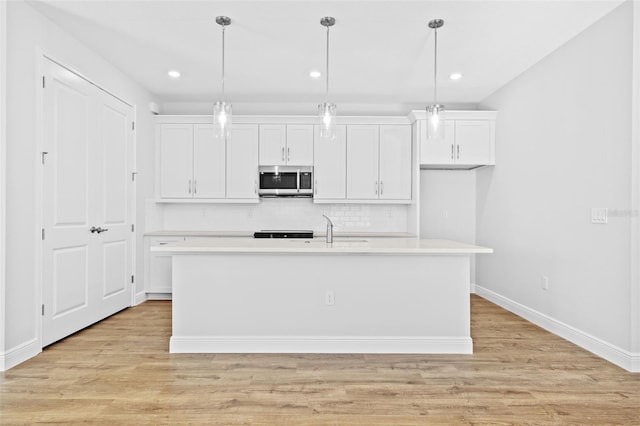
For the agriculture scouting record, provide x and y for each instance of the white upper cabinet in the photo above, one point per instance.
(282, 144)
(242, 162)
(395, 162)
(192, 162)
(468, 142)
(176, 160)
(473, 142)
(208, 163)
(300, 144)
(379, 162)
(330, 166)
(362, 162)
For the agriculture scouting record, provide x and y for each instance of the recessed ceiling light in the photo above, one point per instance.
(455, 76)
(174, 74)
(315, 74)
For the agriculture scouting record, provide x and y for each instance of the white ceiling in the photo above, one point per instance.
(381, 51)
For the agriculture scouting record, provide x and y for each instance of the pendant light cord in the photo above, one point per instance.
(223, 95)
(326, 95)
(435, 67)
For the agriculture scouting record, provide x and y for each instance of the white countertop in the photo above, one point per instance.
(319, 246)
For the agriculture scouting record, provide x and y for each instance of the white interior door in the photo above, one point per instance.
(111, 172)
(88, 139)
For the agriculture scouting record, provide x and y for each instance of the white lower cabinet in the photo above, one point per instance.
(158, 267)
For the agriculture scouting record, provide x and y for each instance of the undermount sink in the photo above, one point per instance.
(340, 242)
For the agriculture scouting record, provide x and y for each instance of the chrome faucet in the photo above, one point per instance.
(329, 230)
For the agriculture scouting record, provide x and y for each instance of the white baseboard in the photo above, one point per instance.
(472, 288)
(321, 344)
(618, 356)
(19, 354)
(158, 296)
(139, 298)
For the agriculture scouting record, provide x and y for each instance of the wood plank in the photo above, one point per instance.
(119, 371)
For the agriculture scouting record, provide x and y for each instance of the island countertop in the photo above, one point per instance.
(319, 246)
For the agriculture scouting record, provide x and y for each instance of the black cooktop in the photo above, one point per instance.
(283, 234)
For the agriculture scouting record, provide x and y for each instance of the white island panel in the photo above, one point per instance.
(276, 302)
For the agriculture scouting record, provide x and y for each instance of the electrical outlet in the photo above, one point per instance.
(545, 282)
(329, 299)
(600, 215)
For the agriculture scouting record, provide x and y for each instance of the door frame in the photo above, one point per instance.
(635, 194)
(41, 57)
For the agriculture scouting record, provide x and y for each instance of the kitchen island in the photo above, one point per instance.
(356, 295)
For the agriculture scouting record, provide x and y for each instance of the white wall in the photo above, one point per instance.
(563, 146)
(29, 31)
(448, 207)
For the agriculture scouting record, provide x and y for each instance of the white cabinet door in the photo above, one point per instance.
(159, 266)
(362, 162)
(176, 160)
(208, 163)
(299, 150)
(395, 162)
(438, 150)
(330, 165)
(242, 162)
(273, 139)
(473, 142)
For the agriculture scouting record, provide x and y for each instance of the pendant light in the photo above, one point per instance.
(327, 110)
(222, 109)
(435, 112)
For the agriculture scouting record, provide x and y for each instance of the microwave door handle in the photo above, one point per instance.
(298, 180)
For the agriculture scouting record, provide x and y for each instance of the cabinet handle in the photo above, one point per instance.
(452, 151)
(283, 153)
(381, 187)
(195, 188)
(458, 149)
(288, 154)
(315, 187)
(255, 186)
(376, 187)
(189, 186)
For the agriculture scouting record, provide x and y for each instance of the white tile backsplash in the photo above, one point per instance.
(280, 213)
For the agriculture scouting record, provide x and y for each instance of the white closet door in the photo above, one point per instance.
(111, 171)
(86, 171)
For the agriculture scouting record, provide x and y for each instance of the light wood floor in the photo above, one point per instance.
(120, 372)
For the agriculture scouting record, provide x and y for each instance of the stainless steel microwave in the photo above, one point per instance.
(285, 181)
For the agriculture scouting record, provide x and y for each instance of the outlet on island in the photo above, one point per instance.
(329, 298)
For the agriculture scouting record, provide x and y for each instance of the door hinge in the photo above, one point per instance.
(43, 82)
(133, 125)
(42, 154)
(42, 234)
(132, 279)
(43, 309)
(133, 228)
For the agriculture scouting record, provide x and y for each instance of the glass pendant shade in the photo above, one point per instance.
(222, 115)
(327, 113)
(435, 121)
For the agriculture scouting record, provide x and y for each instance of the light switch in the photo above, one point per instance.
(599, 215)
